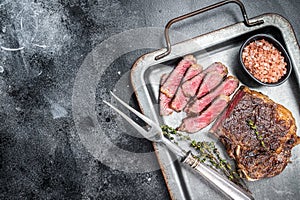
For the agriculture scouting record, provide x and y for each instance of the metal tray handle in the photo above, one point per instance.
(196, 12)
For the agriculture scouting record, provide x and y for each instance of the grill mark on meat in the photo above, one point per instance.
(180, 100)
(164, 101)
(169, 88)
(274, 123)
(227, 87)
(210, 81)
(191, 86)
(194, 124)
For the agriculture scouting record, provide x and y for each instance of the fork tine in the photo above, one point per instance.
(140, 115)
(128, 119)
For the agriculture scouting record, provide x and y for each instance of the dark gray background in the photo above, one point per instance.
(41, 156)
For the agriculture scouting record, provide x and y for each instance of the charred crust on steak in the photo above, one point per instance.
(275, 124)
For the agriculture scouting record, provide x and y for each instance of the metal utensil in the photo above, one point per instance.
(202, 10)
(154, 133)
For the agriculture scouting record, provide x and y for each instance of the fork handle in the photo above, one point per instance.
(224, 185)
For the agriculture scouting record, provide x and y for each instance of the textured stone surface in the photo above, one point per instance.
(43, 44)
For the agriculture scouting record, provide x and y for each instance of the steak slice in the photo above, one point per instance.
(258, 133)
(169, 88)
(210, 81)
(227, 87)
(194, 124)
(180, 100)
(191, 86)
(164, 101)
(192, 71)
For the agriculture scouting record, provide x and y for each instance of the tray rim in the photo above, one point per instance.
(142, 63)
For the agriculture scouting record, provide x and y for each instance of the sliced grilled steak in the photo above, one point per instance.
(194, 124)
(227, 87)
(180, 100)
(191, 86)
(164, 101)
(169, 88)
(210, 81)
(194, 70)
(258, 133)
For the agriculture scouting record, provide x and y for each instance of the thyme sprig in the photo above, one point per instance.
(206, 153)
(258, 135)
(170, 132)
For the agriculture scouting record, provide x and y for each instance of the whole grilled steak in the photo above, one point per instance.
(258, 133)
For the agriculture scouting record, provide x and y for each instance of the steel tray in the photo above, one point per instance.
(221, 45)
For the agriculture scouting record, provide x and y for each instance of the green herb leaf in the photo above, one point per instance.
(206, 153)
(258, 135)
